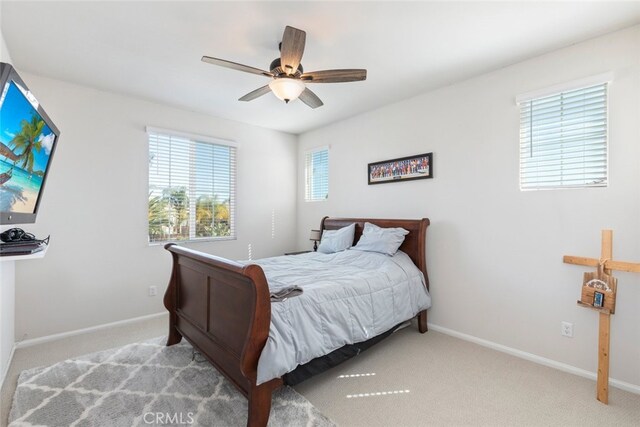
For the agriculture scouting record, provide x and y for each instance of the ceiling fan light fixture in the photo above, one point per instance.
(288, 77)
(286, 88)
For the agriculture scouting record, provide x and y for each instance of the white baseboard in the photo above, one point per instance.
(54, 337)
(633, 388)
(622, 385)
(6, 368)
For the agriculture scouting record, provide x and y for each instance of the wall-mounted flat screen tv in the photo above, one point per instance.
(28, 140)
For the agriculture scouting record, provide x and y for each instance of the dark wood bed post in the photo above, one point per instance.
(414, 244)
(422, 265)
(259, 395)
(174, 336)
(422, 321)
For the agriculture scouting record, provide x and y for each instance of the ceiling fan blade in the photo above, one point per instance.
(292, 49)
(256, 93)
(311, 99)
(235, 66)
(334, 76)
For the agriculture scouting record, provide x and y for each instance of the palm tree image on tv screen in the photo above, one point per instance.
(26, 142)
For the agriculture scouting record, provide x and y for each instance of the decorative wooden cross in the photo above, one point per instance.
(606, 255)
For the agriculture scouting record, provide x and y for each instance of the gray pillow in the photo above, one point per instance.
(382, 240)
(337, 240)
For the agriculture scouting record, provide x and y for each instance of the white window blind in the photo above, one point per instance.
(316, 172)
(191, 187)
(563, 139)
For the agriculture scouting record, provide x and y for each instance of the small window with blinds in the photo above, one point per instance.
(191, 187)
(316, 171)
(563, 139)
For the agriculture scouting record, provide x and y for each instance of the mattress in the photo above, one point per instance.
(347, 297)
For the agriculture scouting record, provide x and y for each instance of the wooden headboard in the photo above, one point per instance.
(414, 242)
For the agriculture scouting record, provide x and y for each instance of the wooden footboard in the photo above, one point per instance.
(223, 309)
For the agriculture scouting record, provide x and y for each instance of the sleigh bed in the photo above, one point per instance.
(224, 309)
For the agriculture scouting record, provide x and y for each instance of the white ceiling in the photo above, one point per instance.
(152, 50)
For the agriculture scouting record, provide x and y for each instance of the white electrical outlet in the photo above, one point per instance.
(153, 291)
(566, 329)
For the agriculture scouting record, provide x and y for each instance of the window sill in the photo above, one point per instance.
(201, 240)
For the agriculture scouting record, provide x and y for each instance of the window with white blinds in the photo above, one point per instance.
(316, 171)
(191, 187)
(563, 139)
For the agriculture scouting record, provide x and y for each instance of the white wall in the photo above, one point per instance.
(7, 285)
(99, 264)
(4, 51)
(494, 253)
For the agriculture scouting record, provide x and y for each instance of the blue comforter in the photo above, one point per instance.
(347, 297)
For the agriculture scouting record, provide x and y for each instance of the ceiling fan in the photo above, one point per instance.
(288, 77)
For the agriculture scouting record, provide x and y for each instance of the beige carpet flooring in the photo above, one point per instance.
(451, 382)
(413, 380)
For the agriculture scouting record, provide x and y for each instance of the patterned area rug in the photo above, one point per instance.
(144, 384)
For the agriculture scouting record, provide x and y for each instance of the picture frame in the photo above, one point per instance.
(598, 299)
(407, 168)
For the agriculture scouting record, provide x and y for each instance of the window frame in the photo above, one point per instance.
(308, 152)
(196, 138)
(556, 90)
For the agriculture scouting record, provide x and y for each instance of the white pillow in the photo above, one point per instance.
(337, 240)
(382, 240)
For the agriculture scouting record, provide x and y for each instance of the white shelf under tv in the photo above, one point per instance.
(7, 305)
(24, 257)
